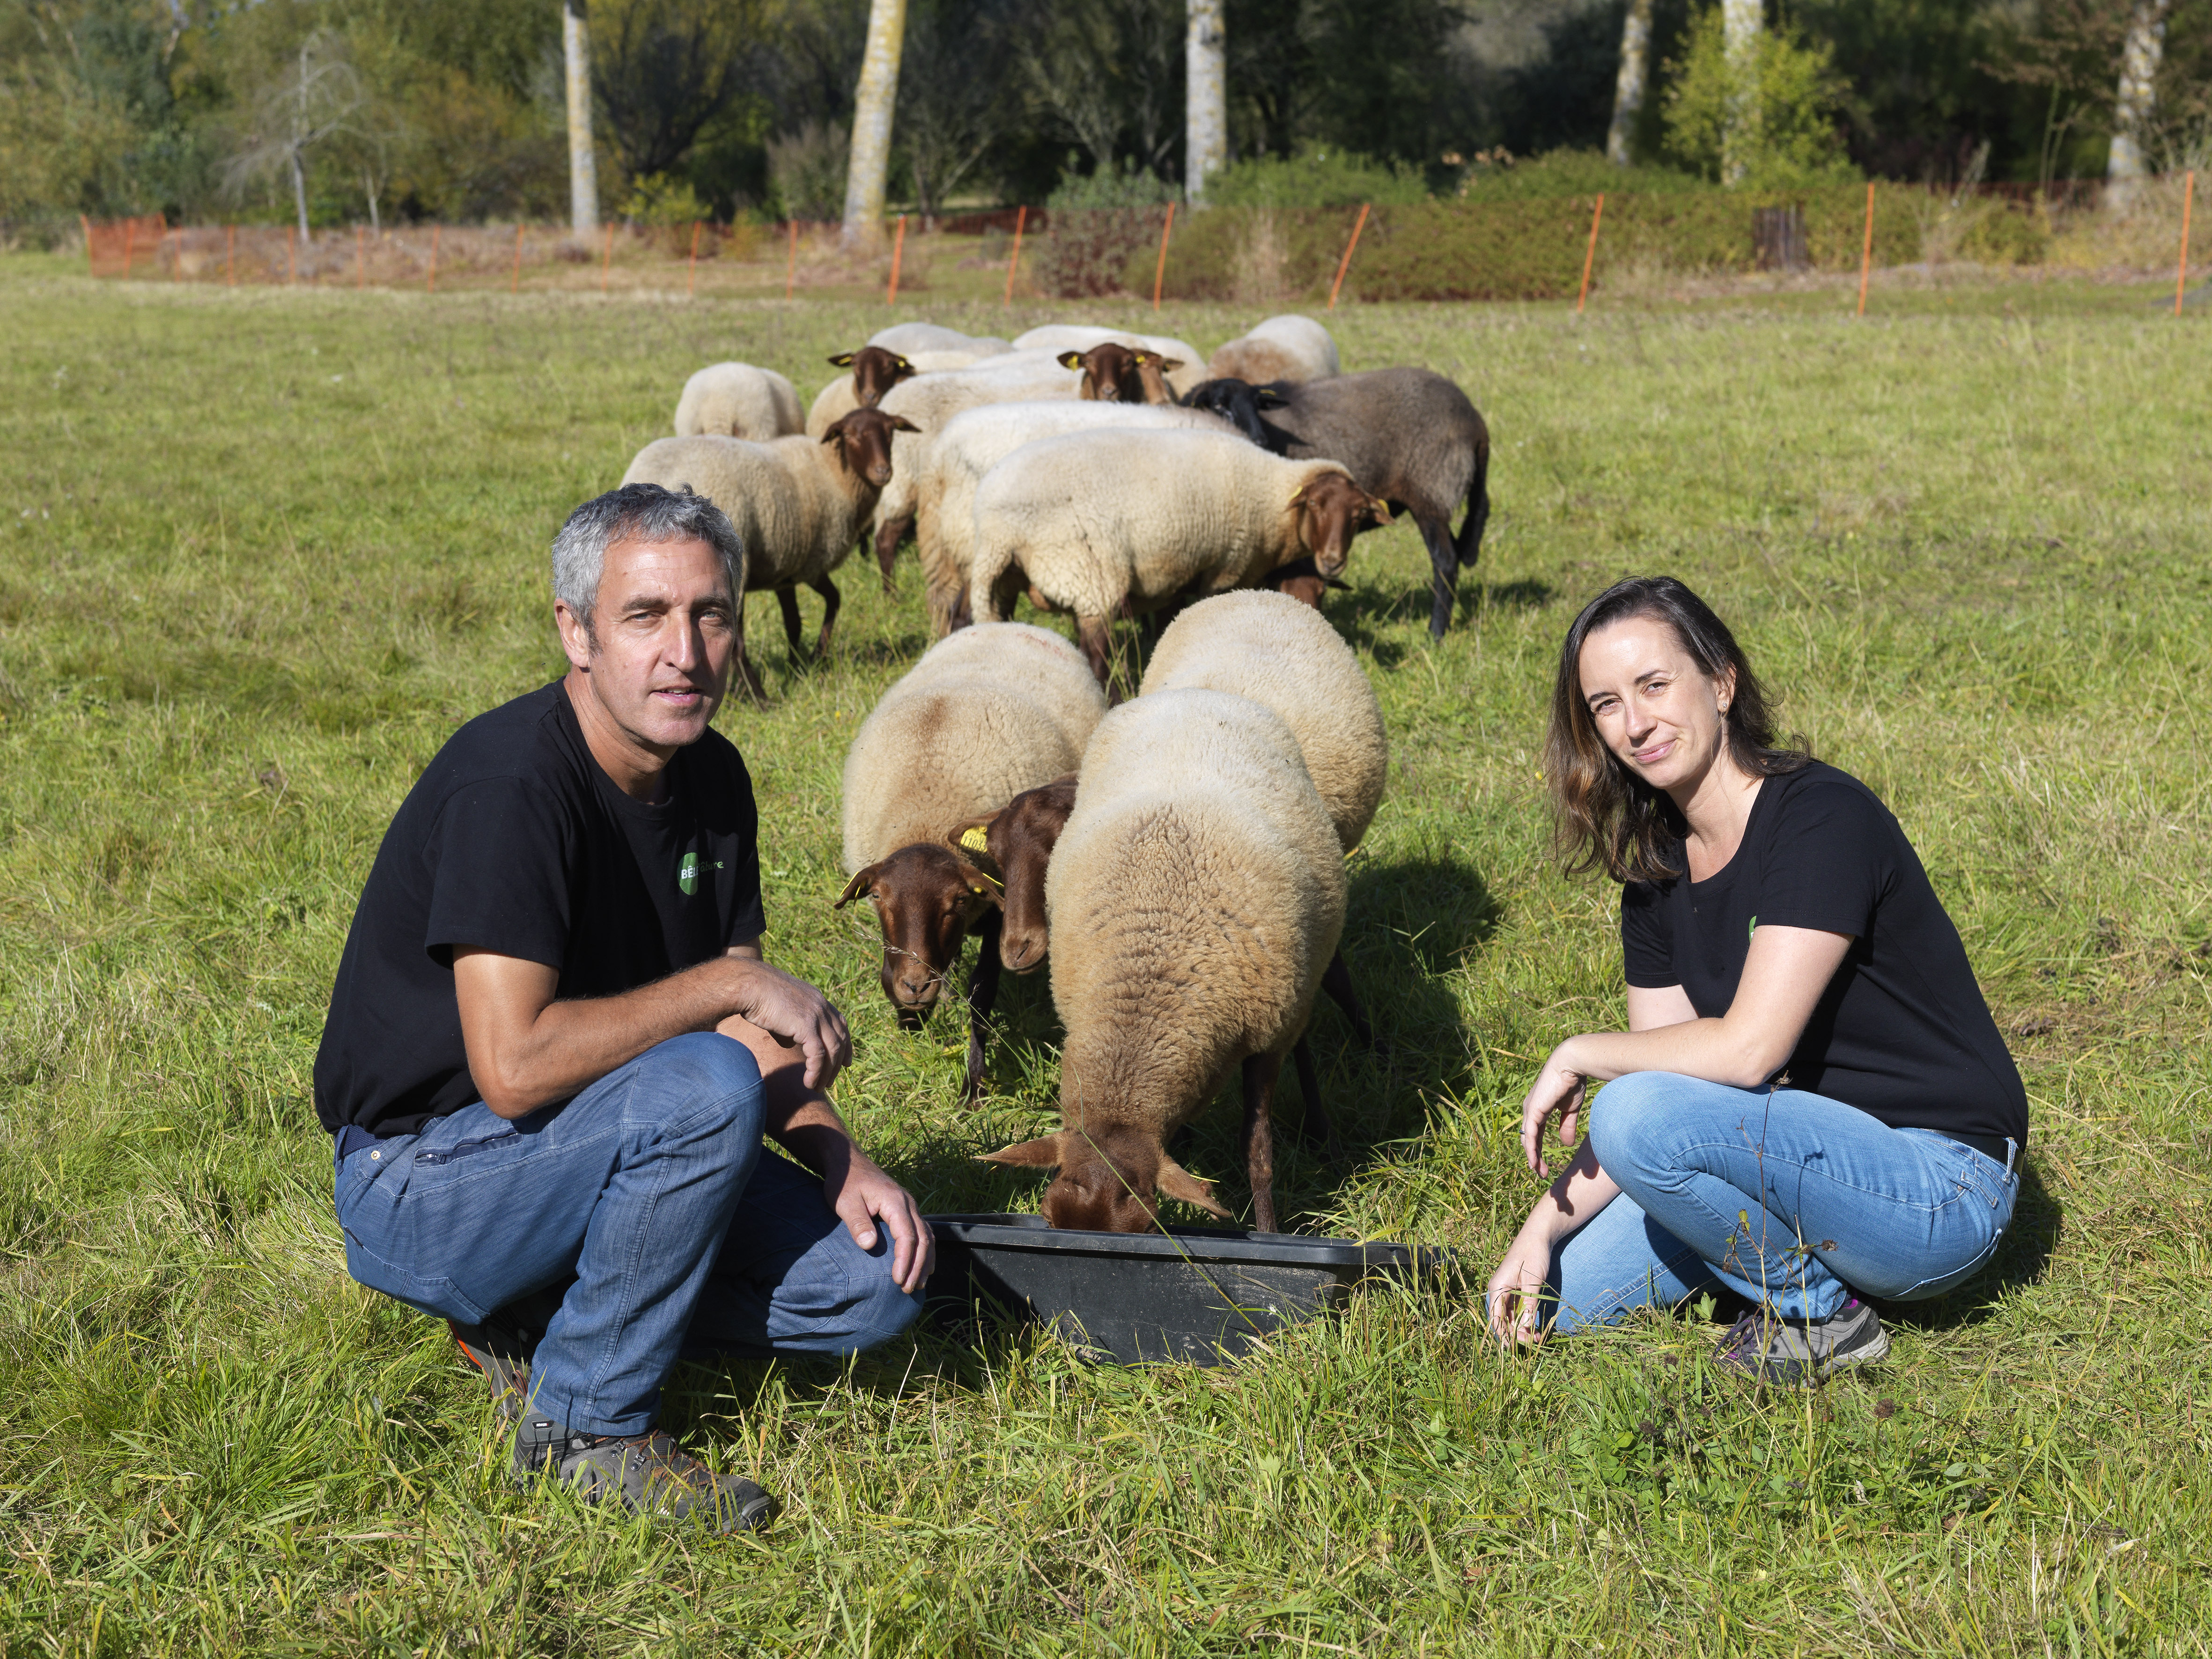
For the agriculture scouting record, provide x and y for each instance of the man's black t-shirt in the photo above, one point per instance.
(515, 840)
(1902, 1032)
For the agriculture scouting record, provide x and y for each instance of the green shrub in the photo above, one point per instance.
(1565, 173)
(1316, 179)
(666, 208)
(1101, 224)
(1791, 96)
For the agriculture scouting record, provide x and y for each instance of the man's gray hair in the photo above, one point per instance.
(637, 513)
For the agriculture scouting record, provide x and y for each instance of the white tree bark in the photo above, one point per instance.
(874, 102)
(2139, 59)
(583, 162)
(1206, 101)
(1628, 87)
(1740, 23)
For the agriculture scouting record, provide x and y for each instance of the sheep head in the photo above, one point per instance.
(1113, 373)
(1332, 510)
(875, 371)
(1107, 1179)
(925, 899)
(1014, 845)
(864, 443)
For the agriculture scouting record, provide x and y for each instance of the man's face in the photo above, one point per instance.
(663, 636)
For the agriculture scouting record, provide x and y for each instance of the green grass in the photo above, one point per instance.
(263, 551)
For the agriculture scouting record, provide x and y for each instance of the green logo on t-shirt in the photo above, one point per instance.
(1748, 931)
(687, 874)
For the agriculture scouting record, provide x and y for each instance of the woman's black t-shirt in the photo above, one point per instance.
(1902, 1032)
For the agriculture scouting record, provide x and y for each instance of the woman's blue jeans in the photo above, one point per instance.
(685, 1236)
(1792, 1201)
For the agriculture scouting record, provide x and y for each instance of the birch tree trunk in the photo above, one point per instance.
(1206, 100)
(1628, 88)
(2139, 59)
(1740, 23)
(874, 102)
(583, 164)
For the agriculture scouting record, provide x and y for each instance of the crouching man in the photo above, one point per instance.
(554, 1045)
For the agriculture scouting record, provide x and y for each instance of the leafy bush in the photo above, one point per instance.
(1565, 172)
(806, 171)
(1099, 226)
(1314, 178)
(1789, 94)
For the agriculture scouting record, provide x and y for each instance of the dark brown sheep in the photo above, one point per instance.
(929, 900)
(875, 371)
(1113, 373)
(1014, 845)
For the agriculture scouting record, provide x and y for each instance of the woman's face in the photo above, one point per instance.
(1655, 708)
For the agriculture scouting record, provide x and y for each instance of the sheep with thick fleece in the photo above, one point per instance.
(869, 374)
(912, 338)
(974, 442)
(799, 505)
(1288, 348)
(1189, 368)
(1195, 895)
(739, 400)
(1118, 523)
(983, 717)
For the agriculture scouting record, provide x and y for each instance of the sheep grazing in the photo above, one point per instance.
(1291, 348)
(799, 505)
(968, 446)
(1276, 651)
(1195, 895)
(1014, 847)
(1058, 337)
(1120, 523)
(739, 401)
(983, 717)
(911, 337)
(1113, 373)
(1410, 436)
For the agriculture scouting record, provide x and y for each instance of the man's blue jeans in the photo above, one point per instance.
(1794, 1201)
(652, 1188)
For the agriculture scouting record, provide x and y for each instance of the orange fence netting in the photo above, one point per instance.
(115, 247)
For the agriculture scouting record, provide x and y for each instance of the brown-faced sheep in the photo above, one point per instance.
(1057, 337)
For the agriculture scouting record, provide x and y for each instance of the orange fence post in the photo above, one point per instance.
(230, 255)
(607, 259)
(1866, 254)
(360, 255)
(129, 243)
(515, 285)
(431, 282)
(1014, 262)
(1344, 263)
(2181, 269)
(1589, 259)
(1160, 272)
(791, 270)
(692, 280)
(898, 251)
(85, 225)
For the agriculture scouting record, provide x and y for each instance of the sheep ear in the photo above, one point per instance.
(843, 360)
(834, 432)
(1069, 360)
(1141, 358)
(866, 878)
(901, 363)
(1381, 508)
(971, 841)
(1175, 1182)
(1297, 495)
(1042, 1153)
(1169, 365)
(900, 423)
(1266, 396)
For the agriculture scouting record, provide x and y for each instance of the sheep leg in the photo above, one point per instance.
(1336, 980)
(1261, 1072)
(787, 597)
(748, 675)
(831, 599)
(1444, 570)
(1318, 1123)
(982, 997)
(889, 535)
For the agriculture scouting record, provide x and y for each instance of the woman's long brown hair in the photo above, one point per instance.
(1605, 817)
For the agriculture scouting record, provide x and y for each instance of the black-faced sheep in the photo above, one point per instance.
(1407, 436)
(1288, 348)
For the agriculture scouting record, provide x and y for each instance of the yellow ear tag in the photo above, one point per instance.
(976, 839)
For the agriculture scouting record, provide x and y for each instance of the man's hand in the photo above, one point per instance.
(863, 1197)
(794, 1013)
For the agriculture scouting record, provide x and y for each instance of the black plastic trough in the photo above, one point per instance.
(1200, 1295)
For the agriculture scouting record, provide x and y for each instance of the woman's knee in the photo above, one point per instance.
(1635, 1119)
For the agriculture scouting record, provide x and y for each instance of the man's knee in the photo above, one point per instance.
(880, 1309)
(701, 1080)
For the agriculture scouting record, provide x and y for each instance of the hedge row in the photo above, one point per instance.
(1521, 250)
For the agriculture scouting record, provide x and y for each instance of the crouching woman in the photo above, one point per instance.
(1811, 1102)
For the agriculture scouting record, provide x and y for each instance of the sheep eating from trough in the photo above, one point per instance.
(983, 717)
(799, 505)
(739, 400)
(1288, 348)
(1409, 436)
(1195, 895)
(1119, 523)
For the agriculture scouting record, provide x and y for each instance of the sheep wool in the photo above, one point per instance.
(1287, 347)
(1195, 898)
(985, 715)
(739, 400)
(836, 400)
(1276, 651)
(909, 338)
(931, 401)
(797, 509)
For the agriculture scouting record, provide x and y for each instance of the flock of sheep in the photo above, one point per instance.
(1183, 854)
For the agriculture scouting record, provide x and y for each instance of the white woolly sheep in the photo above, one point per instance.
(799, 505)
(739, 400)
(1287, 347)
(1119, 523)
(1058, 337)
(1195, 895)
(912, 338)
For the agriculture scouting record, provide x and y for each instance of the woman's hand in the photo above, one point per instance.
(1516, 1289)
(1557, 1088)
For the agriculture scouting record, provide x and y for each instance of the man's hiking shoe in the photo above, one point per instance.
(502, 1353)
(1799, 1353)
(644, 1473)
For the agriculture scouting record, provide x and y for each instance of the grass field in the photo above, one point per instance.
(263, 551)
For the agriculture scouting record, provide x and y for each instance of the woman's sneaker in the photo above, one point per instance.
(643, 1473)
(1769, 1348)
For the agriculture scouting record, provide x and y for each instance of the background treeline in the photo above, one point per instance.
(453, 109)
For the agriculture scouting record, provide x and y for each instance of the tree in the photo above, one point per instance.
(2132, 112)
(1206, 101)
(1742, 24)
(1628, 89)
(1106, 73)
(1770, 113)
(952, 96)
(583, 162)
(874, 101)
(315, 98)
(667, 68)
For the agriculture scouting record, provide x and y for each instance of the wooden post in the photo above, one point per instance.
(607, 259)
(898, 251)
(1344, 263)
(1014, 262)
(791, 267)
(515, 286)
(1866, 253)
(431, 282)
(1589, 259)
(1160, 272)
(360, 256)
(230, 255)
(2181, 267)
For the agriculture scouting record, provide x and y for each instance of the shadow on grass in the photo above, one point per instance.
(1360, 612)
